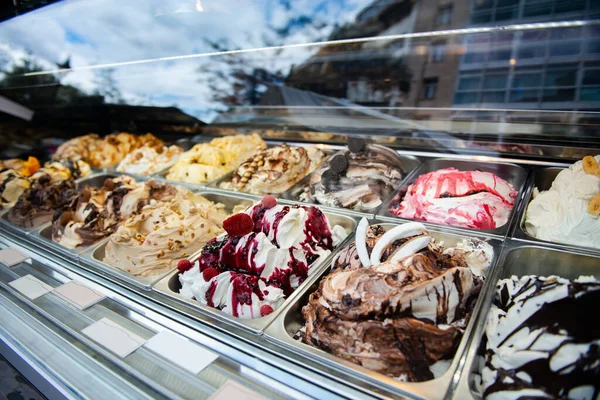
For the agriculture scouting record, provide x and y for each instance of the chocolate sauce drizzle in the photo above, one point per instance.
(575, 318)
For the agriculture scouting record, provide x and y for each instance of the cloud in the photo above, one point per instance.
(114, 31)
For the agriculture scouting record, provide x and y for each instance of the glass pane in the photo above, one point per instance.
(499, 55)
(564, 48)
(524, 96)
(560, 78)
(495, 82)
(590, 94)
(558, 95)
(480, 5)
(502, 3)
(481, 18)
(465, 98)
(531, 52)
(593, 46)
(471, 58)
(570, 5)
(566, 33)
(527, 80)
(591, 77)
(535, 10)
(492, 97)
(469, 83)
(506, 14)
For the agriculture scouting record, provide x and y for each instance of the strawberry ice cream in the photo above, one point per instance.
(469, 199)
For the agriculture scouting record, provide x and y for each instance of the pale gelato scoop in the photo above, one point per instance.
(206, 162)
(560, 214)
(149, 160)
(151, 242)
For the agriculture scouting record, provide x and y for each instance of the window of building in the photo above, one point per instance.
(444, 15)
(590, 90)
(557, 76)
(469, 83)
(493, 97)
(527, 80)
(429, 88)
(437, 52)
(495, 79)
(559, 94)
(524, 96)
(465, 98)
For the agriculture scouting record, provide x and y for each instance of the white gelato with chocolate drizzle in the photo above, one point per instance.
(359, 179)
(275, 170)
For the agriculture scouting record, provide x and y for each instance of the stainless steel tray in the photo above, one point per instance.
(512, 173)
(542, 179)
(519, 259)
(15, 228)
(408, 165)
(290, 320)
(170, 285)
(93, 258)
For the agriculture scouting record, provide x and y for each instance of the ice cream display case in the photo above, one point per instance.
(323, 199)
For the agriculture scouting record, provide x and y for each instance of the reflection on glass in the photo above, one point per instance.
(312, 64)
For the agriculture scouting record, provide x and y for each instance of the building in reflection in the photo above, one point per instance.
(430, 77)
(538, 69)
(403, 72)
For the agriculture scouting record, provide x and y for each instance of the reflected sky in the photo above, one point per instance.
(108, 31)
(146, 52)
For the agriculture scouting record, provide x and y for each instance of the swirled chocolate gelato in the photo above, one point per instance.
(542, 339)
(38, 203)
(20, 175)
(396, 302)
(275, 170)
(95, 213)
(359, 179)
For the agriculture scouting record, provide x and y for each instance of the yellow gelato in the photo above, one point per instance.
(206, 162)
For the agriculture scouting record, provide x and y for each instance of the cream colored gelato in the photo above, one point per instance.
(275, 170)
(151, 242)
(206, 162)
(560, 214)
(149, 160)
(106, 152)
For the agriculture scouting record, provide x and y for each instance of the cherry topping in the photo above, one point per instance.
(265, 310)
(184, 265)
(269, 202)
(209, 273)
(238, 224)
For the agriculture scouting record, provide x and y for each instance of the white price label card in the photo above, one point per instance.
(181, 351)
(233, 390)
(11, 257)
(78, 294)
(31, 286)
(114, 337)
